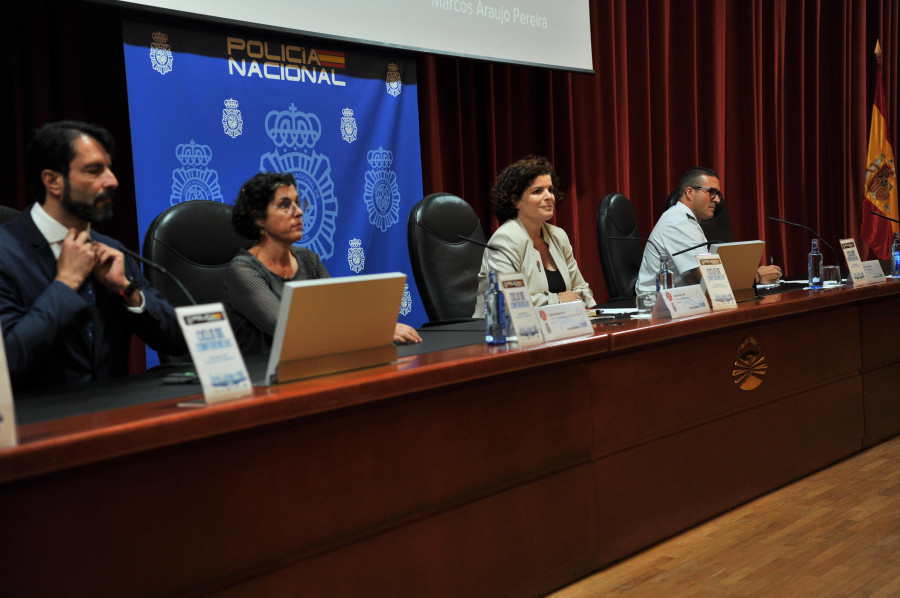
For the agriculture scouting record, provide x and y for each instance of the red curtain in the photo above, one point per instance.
(775, 95)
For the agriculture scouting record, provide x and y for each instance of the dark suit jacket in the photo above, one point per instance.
(44, 321)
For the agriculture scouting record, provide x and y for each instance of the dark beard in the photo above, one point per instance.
(88, 212)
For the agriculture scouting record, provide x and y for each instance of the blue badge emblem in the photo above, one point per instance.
(356, 257)
(348, 126)
(194, 180)
(392, 80)
(294, 134)
(231, 119)
(382, 193)
(160, 53)
(406, 302)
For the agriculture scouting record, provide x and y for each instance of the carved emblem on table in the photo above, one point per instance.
(750, 365)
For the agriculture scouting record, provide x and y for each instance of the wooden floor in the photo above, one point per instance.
(835, 533)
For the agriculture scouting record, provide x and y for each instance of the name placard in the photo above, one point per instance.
(860, 273)
(8, 434)
(681, 302)
(715, 282)
(215, 353)
(520, 309)
(564, 320)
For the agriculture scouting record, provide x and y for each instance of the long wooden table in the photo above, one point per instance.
(474, 471)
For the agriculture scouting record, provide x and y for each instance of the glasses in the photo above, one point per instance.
(289, 207)
(712, 192)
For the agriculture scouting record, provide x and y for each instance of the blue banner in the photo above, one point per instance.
(209, 109)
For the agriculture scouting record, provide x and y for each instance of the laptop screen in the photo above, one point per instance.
(335, 324)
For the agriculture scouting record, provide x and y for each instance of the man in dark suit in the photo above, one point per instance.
(69, 298)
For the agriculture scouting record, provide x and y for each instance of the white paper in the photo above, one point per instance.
(564, 320)
(520, 309)
(716, 282)
(681, 302)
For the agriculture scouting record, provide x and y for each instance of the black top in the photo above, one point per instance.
(253, 296)
(555, 282)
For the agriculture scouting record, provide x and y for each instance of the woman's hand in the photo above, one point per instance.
(406, 334)
(568, 296)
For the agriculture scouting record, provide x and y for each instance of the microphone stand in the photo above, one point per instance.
(492, 247)
(824, 242)
(184, 290)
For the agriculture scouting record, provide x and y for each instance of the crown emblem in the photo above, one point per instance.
(380, 158)
(292, 128)
(355, 243)
(392, 67)
(348, 112)
(231, 103)
(160, 37)
(193, 154)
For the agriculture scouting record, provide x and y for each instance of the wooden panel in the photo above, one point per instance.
(882, 404)
(176, 518)
(670, 387)
(524, 542)
(655, 490)
(880, 326)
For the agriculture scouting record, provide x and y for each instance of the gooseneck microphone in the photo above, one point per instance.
(162, 270)
(880, 215)
(491, 247)
(819, 237)
(706, 243)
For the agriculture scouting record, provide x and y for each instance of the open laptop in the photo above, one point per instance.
(335, 324)
(740, 261)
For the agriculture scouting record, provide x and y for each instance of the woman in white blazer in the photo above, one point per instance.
(524, 199)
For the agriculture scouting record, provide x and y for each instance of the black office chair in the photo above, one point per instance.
(620, 258)
(445, 267)
(8, 213)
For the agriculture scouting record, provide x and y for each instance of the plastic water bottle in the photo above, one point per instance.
(816, 266)
(895, 256)
(495, 324)
(665, 278)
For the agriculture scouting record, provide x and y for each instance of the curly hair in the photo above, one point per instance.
(515, 178)
(254, 198)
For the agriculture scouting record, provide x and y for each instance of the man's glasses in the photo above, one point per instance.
(712, 192)
(288, 207)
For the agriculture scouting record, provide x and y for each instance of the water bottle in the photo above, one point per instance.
(494, 313)
(816, 266)
(665, 278)
(895, 256)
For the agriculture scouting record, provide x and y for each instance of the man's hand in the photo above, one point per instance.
(77, 259)
(110, 272)
(768, 274)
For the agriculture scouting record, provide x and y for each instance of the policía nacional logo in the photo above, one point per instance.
(232, 122)
(392, 80)
(348, 125)
(750, 365)
(406, 302)
(194, 180)
(382, 194)
(160, 53)
(356, 257)
(294, 135)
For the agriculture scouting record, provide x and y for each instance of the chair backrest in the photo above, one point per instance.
(194, 241)
(445, 267)
(7, 213)
(620, 259)
(718, 228)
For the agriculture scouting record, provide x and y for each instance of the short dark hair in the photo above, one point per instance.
(691, 178)
(515, 178)
(254, 198)
(52, 147)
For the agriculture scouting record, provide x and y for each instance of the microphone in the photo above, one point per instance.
(707, 244)
(877, 213)
(824, 242)
(139, 258)
(645, 239)
(492, 247)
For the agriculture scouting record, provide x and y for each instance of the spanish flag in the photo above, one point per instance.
(881, 176)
